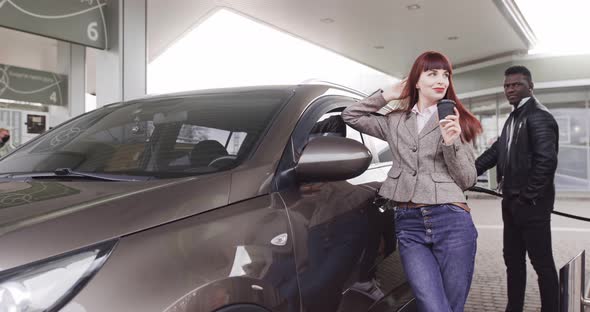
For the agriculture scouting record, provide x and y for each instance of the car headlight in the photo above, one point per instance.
(49, 284)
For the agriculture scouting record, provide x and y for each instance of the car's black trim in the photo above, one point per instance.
(242, 307)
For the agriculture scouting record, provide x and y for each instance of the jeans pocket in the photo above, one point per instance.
(454, 208)
(399, 213)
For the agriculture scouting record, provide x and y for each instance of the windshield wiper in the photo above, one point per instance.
(69, 173)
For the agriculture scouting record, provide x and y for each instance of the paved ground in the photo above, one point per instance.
(488, 291)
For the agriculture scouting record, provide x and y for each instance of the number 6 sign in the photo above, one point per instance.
(92, 32)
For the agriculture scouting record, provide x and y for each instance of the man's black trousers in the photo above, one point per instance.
(527, 229)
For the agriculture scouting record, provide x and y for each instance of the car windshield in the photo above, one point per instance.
(170, 137)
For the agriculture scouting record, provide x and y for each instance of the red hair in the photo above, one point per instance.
(470, 125)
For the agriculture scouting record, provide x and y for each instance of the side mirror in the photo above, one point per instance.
(332, 159)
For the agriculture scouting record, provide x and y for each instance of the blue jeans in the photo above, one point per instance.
(437, 247)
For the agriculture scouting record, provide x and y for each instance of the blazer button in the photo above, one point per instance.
(414, 173)
(414, 148)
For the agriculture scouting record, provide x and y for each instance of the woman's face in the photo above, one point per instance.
(433, 84)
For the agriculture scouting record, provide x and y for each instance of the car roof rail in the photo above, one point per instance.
(314, 81)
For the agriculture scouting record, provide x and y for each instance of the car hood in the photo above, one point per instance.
(43, 218)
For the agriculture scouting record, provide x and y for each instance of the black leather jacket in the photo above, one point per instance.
(529, 172)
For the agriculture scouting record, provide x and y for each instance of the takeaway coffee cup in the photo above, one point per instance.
(445, 108)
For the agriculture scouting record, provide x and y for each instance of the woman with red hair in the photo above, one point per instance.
(433, 163)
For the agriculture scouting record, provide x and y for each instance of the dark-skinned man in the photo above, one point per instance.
(525, 157)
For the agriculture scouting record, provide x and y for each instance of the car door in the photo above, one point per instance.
(338, 232)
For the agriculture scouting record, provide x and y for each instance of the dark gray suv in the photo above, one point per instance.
(245, 199)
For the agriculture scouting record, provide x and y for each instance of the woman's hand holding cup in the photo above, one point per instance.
(450, 128)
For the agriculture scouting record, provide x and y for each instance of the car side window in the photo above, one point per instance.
(353, 134)
(322, 118)
(331, 124)
(380, 149)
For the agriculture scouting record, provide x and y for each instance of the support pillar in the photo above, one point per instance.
(72, 62)
(121, 70)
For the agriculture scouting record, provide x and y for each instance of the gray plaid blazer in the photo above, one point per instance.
(424, 171)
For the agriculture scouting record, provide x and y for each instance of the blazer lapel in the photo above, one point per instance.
(411, 124)
(430, 126)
